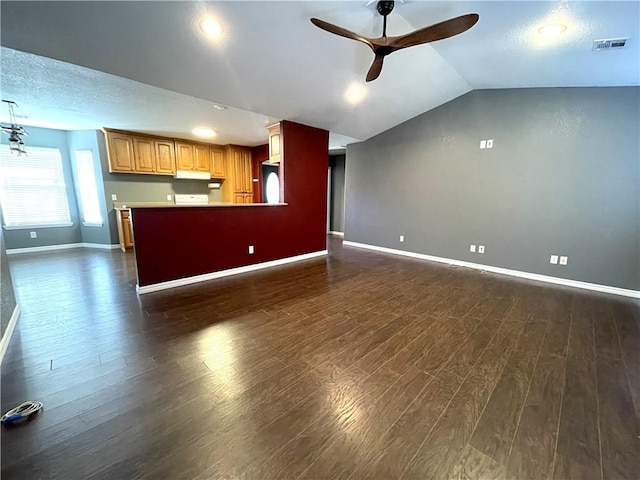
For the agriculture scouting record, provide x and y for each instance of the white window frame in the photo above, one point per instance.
(87, 187)
(57, 186)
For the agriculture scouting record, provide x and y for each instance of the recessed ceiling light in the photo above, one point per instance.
(203, 132)
(217, 106)
(552, 30)
(355, 93)
(211, 27)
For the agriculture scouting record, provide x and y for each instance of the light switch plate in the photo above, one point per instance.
(33, 235)
(402, 238)
(481, 249)
(472, 248)
(554, 259)
(490, 143)
(251, 249)
(114, 196)
(564, 260)
(169, 197)
(483, 144)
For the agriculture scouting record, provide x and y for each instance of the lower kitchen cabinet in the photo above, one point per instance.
(125, 232)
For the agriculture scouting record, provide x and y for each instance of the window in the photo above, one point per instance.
(32, 189)
(87, 189)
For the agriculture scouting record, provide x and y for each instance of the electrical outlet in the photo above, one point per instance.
(402, 238)
(251, 249)
(483, 144)
(490, 143)
(169, 197)
(114, 196)
(33, 235)
(554, 259)
(564, 260)
(481, 249)
(472, 248)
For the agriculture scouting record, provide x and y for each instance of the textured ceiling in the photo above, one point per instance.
(274, 62)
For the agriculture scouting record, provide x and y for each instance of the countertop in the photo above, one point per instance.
(129, 205)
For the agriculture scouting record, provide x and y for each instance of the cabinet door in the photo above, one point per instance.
(238, 198)
(144, 154)
(274, 144)
(165, 157)
(184, 156)
(120, 152)
(248, 171)
(248, 198)
(126, 231)
(239, 171)
(201, 158)
(217, 163)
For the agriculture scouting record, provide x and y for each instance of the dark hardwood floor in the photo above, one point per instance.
(360, 365)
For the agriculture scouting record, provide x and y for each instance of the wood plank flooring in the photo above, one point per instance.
(358, 366)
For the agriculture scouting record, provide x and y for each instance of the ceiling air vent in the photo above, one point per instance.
(609, 44)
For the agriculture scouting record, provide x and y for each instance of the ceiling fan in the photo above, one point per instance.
(383, 46)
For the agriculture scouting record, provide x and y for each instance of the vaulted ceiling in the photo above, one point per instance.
(146, 66)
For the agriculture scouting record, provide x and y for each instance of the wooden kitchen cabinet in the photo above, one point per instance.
(120, 147)
(238, 187)
(144, 155)
(184, 156)
(125, 233)
(218, 164)
(165, 157)
(201, 162)
(150, 155)
(275, 142)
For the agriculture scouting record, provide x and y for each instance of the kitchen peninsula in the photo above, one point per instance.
(177, 245)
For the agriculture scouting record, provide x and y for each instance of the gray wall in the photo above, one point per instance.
(44, 137)
(336, 213)
(7, 295)
(144, 188)
(563, 178)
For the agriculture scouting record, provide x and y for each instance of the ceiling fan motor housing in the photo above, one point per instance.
(385, 7)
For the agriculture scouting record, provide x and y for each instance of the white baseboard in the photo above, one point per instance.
(64, 246)
(503, 271)
(101, 246)
(6, 338)
(337, 234)
(226, 273)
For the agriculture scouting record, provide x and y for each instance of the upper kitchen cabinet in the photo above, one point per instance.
(144, 155)
(275, 143)
(218, 164)
(120, 148)
(129, 153)
(184, 156)
(165, 157)
(201, 161)
(192, 156)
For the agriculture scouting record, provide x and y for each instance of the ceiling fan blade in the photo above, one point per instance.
(439, 31)
(343, 32)
(376, 68)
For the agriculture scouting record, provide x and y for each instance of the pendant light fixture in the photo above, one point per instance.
(15, 132)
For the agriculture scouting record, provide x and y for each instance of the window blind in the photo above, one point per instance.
(32, 189)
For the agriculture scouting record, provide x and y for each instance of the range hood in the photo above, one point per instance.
(191, 175)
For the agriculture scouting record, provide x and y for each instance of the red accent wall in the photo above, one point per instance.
(260, 154)
(173, 243)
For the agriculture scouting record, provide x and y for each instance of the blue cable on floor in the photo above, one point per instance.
(21, 412)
